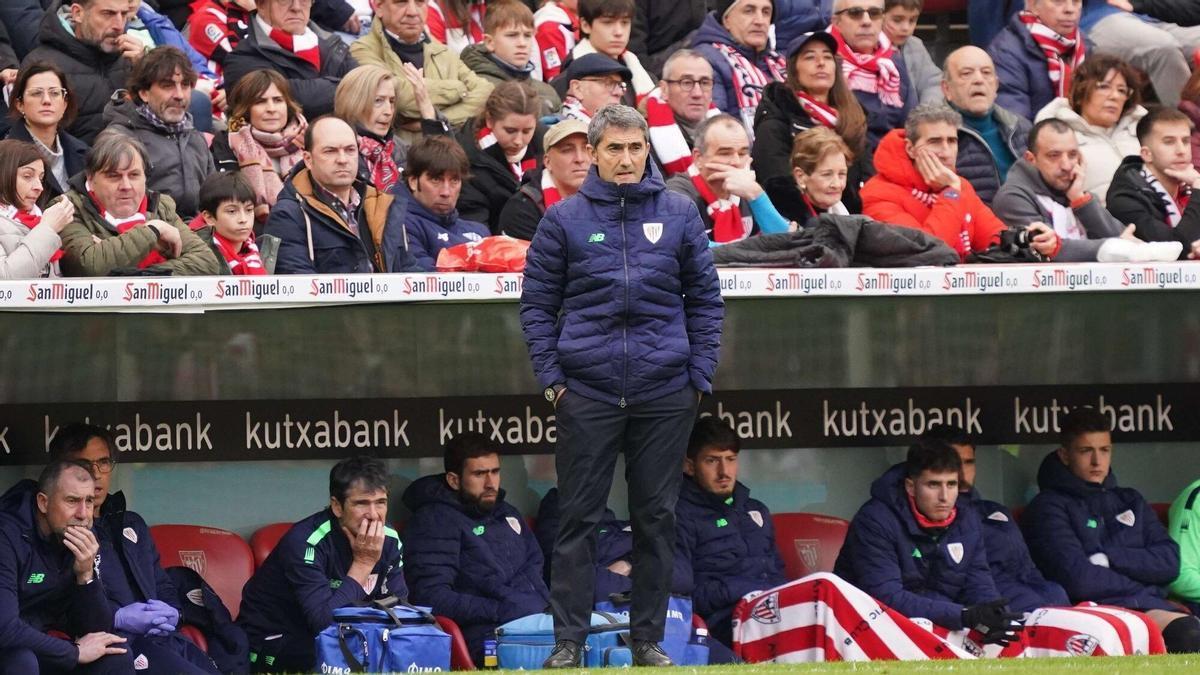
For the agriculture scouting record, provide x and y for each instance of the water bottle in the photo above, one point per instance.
(490, 659)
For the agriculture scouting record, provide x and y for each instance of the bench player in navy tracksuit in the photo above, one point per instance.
(331, 559)
(614, 548)
(50, 561)
(724, 539)
(470, 554)
(918, 548)
(1100, 541)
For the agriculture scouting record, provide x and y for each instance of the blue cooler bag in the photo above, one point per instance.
(677, 636)
(526, 642)
(385, 637)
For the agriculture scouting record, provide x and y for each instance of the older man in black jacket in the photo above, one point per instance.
(282, 38)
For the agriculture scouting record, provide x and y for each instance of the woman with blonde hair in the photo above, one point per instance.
(265, 138)
(820, 165)
(815, 94)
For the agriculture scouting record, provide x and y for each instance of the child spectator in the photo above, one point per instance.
(899, 22)
(507, 52)
(227, 209)
(556, 31)
(605, 25)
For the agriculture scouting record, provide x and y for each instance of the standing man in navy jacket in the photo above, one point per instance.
(622, 314)
(914, 549)
(725, 541)
(334, 558)
(1103, 542)
(471, 557)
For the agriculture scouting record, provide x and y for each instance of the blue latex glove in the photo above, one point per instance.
(169, 612)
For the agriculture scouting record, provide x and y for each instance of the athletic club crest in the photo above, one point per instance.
(514, 523)
(653, 231)
(809, 551)
(1126, 518)
(998, 515)
(196, 560)
(757, 518)
(956, 551)
(372, 579)
(1082, 644)
(767, 610)
(130, 534)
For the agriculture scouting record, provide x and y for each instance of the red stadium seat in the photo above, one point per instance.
(1017, 512)
(460, 655)
(220, 557)
(1163, 510)
(192, 633)
(264, 539)
(808, 542)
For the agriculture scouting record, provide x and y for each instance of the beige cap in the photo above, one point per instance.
(567, 127)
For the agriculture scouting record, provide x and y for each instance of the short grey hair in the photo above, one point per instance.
(113, 150)
(679, 55)
(724, 119)
(928, 113)
(619, 116)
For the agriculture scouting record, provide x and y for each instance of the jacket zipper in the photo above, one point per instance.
(625, 317)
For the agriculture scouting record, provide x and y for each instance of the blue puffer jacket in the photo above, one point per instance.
(917, 573)
(479, 569)
(1071, 520)
(425, 232)
(977, 163)
(1025, 86)
(38, 590)
(1017, 578)
(614, 541)
(628, 267)
(724, 94)
(726, 547)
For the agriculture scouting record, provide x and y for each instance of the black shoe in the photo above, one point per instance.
(646, 653)
(566, 654)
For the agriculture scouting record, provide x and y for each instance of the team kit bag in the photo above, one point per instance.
(523, 644)
(680, 641)
(385, 636)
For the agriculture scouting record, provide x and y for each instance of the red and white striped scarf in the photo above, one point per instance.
(1055, 47)
(447, 29)
(726, 214)
(245, 262)
(748, 80)
(874, 73)
(384, 172)
(306, 46)
(30, 219)
(667, 139)
(573, 108)
(821, 113)
(486, 138)
(550, 193)
(123, 225)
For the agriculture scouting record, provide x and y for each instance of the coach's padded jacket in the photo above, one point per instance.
(38, 590)
(1016, 577)
(916, 572)
(479, 569)
(725, 546)
(614, 542)
(958, 218)
(1071, 520)
(305, 578)
(629, 269)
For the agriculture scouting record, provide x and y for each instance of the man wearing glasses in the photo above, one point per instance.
(682, 100)
(734, 38)
(593, 81)
(137, 587)
(282, 38)
(872, 67)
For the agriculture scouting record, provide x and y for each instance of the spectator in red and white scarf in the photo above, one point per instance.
(682, 100)
(227, 211)
(1037, 53)
(735, 40)
(29, 241)
(874, 70)
(593, 81)
(820, 168)
(814, 95)
(366, 99)
(566, 161)
(720, 181)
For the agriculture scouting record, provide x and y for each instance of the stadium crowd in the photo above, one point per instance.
(1089, 569)
(370, 136)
